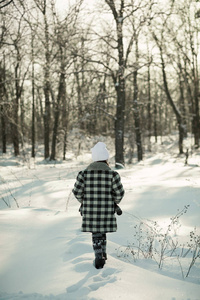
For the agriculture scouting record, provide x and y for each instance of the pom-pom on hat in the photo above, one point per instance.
(99, 152)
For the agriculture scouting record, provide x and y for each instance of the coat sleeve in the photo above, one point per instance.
(78, 189)
(117, 188)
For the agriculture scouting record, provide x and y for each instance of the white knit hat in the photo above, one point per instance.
(99, 152)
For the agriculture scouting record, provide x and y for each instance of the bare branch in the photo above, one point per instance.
(111, 4)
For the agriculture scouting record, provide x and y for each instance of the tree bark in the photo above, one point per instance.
(33, 100)
(171, 102)
(119, 84)
(3, 129)
(65, 121)
(149, 108)
(155, 121)
(196, 116)
(136, 110)
(2, 107)
(46, 92)
(42, 5)
(61, 94)
(177, 113)
(137, 118)
(15, 117)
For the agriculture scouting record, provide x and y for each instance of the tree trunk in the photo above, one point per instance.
(137, 118)
(190, 102)
(33, 102)
(182, 100)
(22, 123)
(120, 112)
(46, 88)
(80, 108)
(15, 117)
(64, 145)
(171, 102)
(196, 120)
(155, 122)
(65, 113)
(14, 126)
(182, 106)
(161, 117)
(3, 129)
(119, 85)
(149, 108)
(119, 123)
(177, 113)
(196, 112)
(136, 110)
(61, 93)
(55, 130)
(2, 107)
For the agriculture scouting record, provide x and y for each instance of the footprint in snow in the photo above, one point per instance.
(82, 267)
(109, 271)
(106, 277)
(97, 285)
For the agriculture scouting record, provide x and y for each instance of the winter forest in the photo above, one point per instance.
(76, 72)
(124, 69)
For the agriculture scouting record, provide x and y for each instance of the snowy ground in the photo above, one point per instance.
(44, 255)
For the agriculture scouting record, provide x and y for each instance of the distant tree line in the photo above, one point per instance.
(126, 69)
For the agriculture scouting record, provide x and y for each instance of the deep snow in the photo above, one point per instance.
(44, 255)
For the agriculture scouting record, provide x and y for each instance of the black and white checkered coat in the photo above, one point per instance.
(97, 188)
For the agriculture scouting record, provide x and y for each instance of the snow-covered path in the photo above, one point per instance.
(47, 254)
(44, 255)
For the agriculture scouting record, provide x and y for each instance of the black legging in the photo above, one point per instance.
(99, 244)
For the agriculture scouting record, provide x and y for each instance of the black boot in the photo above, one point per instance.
(97, 246)
(104, 255)
(104, 242)
(99, 263)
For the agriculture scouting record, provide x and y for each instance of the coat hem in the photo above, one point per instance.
(99, 231)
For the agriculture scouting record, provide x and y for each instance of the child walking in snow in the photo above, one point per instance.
(98, 189)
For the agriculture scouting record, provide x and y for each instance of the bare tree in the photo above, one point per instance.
(178, 115)
(3, 106)
(65, 33)
(33, 94)
(42, 6)
(136, 106)
(182, 54)
(20, 71)
(149, 104)
(119, 81)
